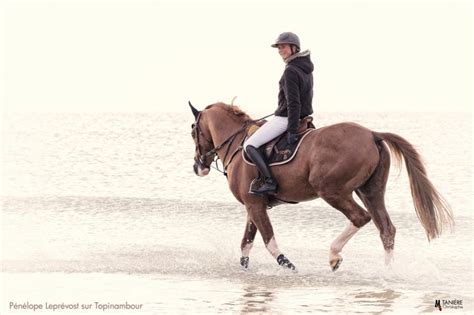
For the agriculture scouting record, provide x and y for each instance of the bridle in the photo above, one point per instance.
(196, 129)
(201, 158)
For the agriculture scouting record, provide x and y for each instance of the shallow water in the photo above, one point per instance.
(103, 208)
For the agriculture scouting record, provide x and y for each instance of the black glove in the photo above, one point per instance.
(292, 138)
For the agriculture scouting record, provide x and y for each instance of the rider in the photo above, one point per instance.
(294, 102)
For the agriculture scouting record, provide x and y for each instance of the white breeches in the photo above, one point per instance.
(270, 130)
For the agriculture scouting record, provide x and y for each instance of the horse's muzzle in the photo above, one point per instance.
(200, 171)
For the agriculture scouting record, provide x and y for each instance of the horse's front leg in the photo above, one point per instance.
(258, 215)
(247, 242)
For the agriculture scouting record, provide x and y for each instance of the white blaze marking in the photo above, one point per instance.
(273, 248)
(342, 239)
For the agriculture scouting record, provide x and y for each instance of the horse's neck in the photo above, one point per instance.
(222, 130)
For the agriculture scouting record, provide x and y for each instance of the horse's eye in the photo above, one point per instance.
(193, 125)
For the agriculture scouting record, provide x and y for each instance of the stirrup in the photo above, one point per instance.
(257, 188)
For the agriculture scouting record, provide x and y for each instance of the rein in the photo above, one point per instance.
(228, 141)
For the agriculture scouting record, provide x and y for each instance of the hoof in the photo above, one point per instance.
(244, 262)
(335, 263)
(285, 263)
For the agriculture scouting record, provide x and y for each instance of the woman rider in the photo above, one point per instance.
(294, 102)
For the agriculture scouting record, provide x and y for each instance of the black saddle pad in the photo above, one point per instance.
(279, 151)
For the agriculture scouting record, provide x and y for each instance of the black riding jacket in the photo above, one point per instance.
(296, 90)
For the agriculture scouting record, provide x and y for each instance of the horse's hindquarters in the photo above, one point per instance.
(339, 157)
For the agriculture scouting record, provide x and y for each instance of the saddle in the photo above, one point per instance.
(278, 151)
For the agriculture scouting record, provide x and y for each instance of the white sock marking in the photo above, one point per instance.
(246, 250)
(342, 239)
(273, 248)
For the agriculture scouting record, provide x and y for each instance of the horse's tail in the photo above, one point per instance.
(431, 208)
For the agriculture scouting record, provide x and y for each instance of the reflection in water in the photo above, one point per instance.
(380, 301)
(256, 299)
(272, 298)
(428, 301)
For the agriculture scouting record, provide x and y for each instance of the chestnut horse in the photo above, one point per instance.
(332, 163)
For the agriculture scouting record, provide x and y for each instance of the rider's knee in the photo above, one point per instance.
(247, 145)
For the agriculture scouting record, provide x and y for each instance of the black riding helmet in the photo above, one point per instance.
(288, 38)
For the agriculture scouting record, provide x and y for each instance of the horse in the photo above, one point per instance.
(332, 163)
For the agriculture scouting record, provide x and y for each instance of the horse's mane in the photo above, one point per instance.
(234, 110)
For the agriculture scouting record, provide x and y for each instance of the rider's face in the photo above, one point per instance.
(284, 50)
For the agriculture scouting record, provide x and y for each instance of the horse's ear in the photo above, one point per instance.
(194, 110)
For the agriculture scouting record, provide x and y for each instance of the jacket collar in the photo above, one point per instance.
(297, 55)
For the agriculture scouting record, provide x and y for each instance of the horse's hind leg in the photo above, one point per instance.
(358, 217)
(376, 206)
(372, 195)
(247, 242)
(258, 215)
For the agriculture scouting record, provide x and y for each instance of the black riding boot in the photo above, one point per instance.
(270, 185)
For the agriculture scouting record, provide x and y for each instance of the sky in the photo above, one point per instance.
(151, 56)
